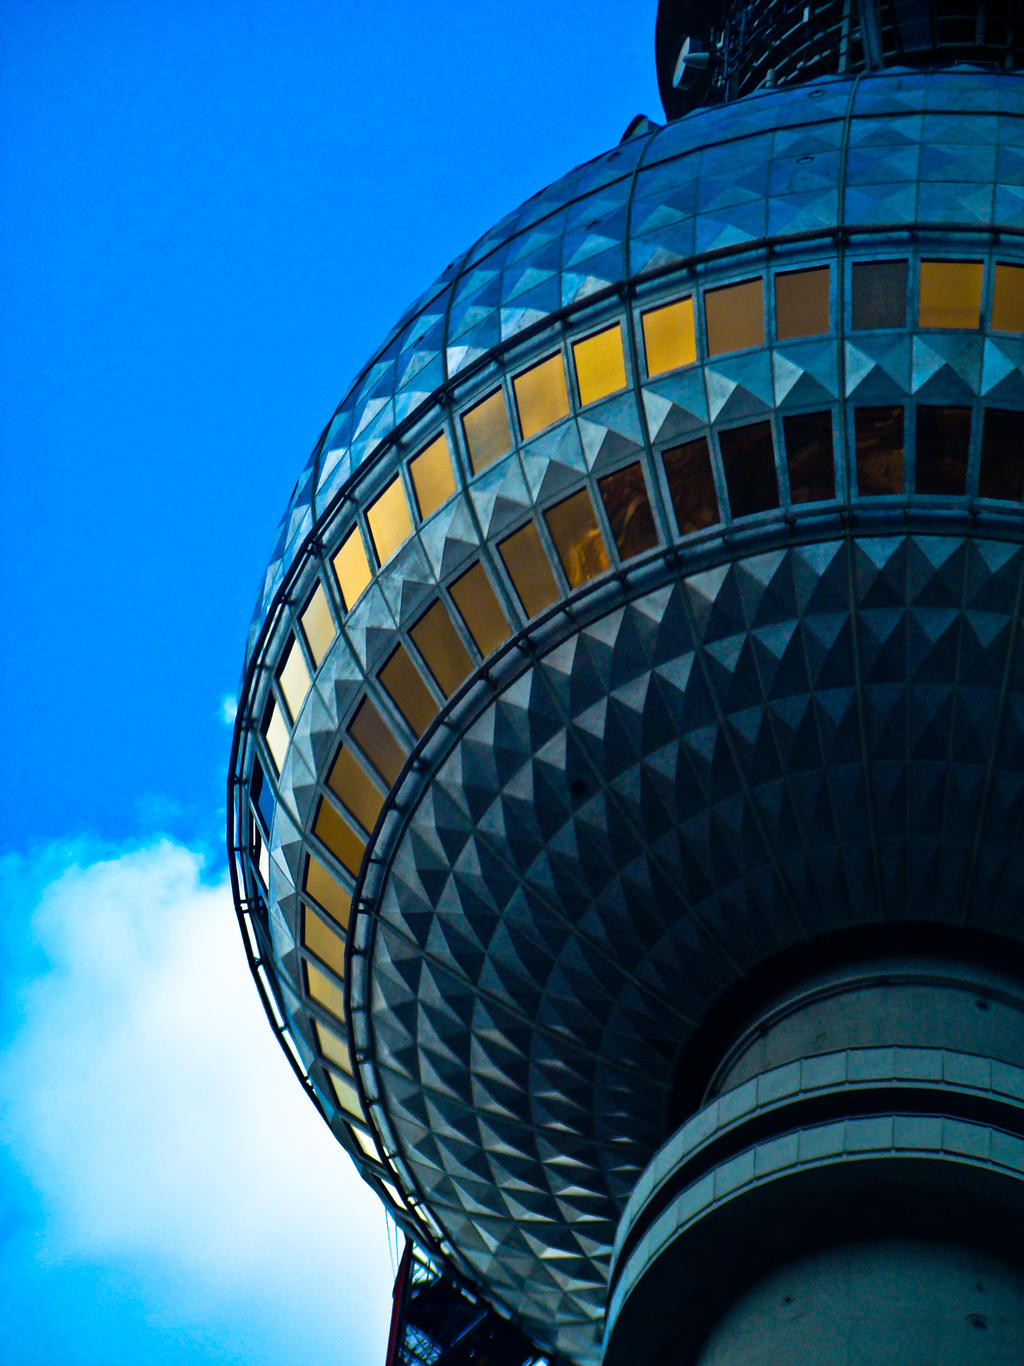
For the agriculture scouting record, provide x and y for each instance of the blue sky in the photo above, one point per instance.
(211, 215)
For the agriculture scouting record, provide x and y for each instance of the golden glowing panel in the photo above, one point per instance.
(318, 625)
(529, 570)
(351, 567)
(354, 788)
(735, 317)
(324, 992)
(624, 495)
(327, 891)
(332, 1047)
(321, 940)
(480, 610)
(407, 690)
(950, 294)
(336, 833)
(600, 367)
(670, 340)
(432, 477)
(541, 395)
(293, 676)
(275, 732)
(801, 303)
(578, 538)
(389, 520)
(371, 733)
(441, 646)
(1008, 299)
(346, 1095)
(487, 432)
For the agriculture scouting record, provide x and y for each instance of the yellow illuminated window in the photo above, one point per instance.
(624, 495)
(353, 787)
(578, 538)
(950, 294)
(332, 1046)
(541, 395)
(801, 303)
(389, 520)
(432, 477)
(318, 625)
(441, 647)
(346, 1095)
(352, 567)
(327, 891)
(480, 610)
(319, 939)
(371, 733)
(669, 337)
(324, 992)
(334, 831)
(600, 367)
(487, 431)
(735, 317)
(529, 570)
(1008, 299)
(293, 676)
(275, 732)
(407, 690)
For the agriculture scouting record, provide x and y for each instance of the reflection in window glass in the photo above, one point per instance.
(405, 687)
(334, 831)
(528, 568)
(479, 608)
(809, 456)
(275, 732)
(879, 294)
(351, 567)
(735, 317)
(261, 795)
(691, 486)
(432, 477)
(389, 520)
(318, 625)
(373, 736)
(624, 495)
(487, 432)
(1008, 299)
(442, 649)
(332, 1047)
(943, 442)
(321, 940)
(541, 395)
(365, 1143)
(1002, 455)
(346, 1095)
(327, 891)
(293, 677)
(879, 440)
(801, 303)
(326, 993)
(354, 788)
(577, 538)
(950, 294)
(748, 457)
(670, 340)
(600, 368)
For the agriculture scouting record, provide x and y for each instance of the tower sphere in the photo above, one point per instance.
(639, 670)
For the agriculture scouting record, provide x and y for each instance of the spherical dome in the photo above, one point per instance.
(648, 611)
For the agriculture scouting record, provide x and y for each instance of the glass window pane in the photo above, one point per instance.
(879, 294)
(326, 993)
(318, 625)
(943, 442)
(479, 608)
(950, 294)
(691, 486)
(261, 795)
(441, 646)
(332, 1047)
(1002, 454)
(801, 303)
(319, 939)
(389, 520)
(879, 440)
(354, 788)
(670, 340)
(735, 317)
(346, 1095)
(365, 1143)
(624, 495)
(748, 457)
(405, 687)
(432, 478)
(293, 677)
(275, 732)
(373, 736)
(600, 367)
(809, 456)
(541, 395)
(334, 831)
(327, 891)
(1008, 299)
(487, 432)
(577, 538)
(351, 567)
(528, 568)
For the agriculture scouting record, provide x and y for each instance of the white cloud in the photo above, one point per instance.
(158, 1118)
(228, 709)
